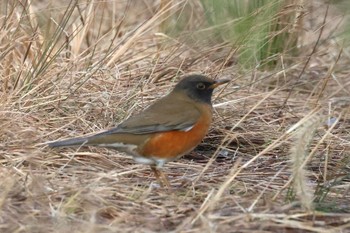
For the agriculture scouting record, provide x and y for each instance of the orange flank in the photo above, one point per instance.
(174, 144)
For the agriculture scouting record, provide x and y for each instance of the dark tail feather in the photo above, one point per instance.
(69, 142)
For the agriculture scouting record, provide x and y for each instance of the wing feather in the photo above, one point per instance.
(163, 115)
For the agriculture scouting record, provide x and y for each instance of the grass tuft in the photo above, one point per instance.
(298, 155)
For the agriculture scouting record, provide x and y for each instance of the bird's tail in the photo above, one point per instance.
(69, 142)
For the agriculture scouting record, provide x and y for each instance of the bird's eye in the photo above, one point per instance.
(200, 86)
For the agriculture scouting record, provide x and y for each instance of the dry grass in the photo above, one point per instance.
(80, 67)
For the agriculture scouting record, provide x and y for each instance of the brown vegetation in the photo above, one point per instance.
(276, 159)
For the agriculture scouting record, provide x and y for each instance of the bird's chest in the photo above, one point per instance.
(173, 144)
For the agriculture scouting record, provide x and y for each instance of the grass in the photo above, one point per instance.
(260, 31)
(275, 160)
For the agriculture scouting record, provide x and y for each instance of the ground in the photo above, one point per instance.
(276, 158)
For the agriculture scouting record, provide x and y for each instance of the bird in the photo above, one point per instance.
(169, 128)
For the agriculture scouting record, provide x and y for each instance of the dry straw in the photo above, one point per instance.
(299, 152)
(70, 68)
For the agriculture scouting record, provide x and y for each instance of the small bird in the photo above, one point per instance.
(168, 129)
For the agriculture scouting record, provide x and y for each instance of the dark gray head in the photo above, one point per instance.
(199, 87)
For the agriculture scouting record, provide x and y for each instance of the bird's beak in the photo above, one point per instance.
(218, 83)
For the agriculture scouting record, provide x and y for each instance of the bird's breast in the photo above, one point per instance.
(173, 144)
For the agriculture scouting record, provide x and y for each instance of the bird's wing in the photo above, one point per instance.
(163, 115)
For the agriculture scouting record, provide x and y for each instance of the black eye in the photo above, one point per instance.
(200, 86)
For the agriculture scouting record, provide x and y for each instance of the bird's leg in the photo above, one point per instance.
(161, 177)
(156, 174)
(164, 178)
